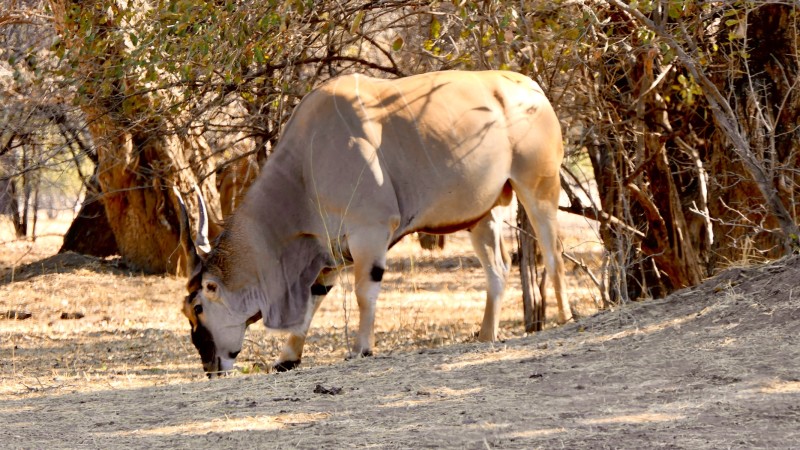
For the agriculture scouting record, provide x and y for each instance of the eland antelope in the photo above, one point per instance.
(362, 163)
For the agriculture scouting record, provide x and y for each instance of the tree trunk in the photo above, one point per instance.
(140, 155)
(756, 116)
(20, 226)
(533, 306)
(136, 172)
(751, 211)
(431, 241)
(90, 232)
(668, 240)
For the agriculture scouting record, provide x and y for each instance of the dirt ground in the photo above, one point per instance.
(105, 361)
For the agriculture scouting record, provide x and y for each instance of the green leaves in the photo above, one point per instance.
(397, 45)
(675, 8)
(259, 55)
(688, 89)
(435, 28)
(356, 26)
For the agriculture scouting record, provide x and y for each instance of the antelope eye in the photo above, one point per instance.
(198, 309)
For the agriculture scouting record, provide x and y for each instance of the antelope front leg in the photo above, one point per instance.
(368, 248)
(292, 351)
(368, 286)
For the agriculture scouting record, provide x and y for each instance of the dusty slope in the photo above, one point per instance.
(717, 366)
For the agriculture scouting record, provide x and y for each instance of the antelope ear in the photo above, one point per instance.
(289, 284)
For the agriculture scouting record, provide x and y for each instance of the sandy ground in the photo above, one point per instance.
(716, 366)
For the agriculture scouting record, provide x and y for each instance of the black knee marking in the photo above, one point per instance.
(320, 289)
(285, 366)
(376, 273)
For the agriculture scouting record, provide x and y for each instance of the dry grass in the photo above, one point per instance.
(132, 333)
(716, 366)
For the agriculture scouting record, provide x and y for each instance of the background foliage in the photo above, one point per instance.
(680, 116)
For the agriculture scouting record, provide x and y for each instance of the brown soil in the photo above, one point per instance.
(715, 366)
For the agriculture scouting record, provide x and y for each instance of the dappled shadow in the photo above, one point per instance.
(224, 413)
(443, 261)
(109, 354)
(711, 367)
(433, 263)
(68, 262)
(658, 372)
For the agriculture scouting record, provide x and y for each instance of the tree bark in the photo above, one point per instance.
(767, 107)
(776, 22)
(668, 241)
(533, 306)
(90, 233)
(431, 241)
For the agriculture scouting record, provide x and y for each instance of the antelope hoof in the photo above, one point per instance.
(285, 366)
(485, 337)
(564, 319)
(361, 354)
